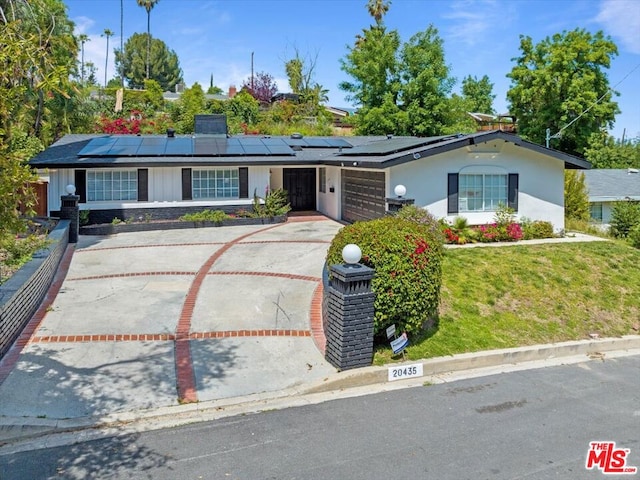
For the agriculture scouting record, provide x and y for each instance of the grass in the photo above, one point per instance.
(525, 295)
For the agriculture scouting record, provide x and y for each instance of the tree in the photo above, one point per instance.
(409, 81)
(264, 87)
(82, 38)
(184, 110)
(426, 83)
(120, 70)
(37, 56)
(479, 94)
(576, 196)
(560, 84)
(107, 33)
(604, 151)
(213, 89)
(164, 63)
(148, 6)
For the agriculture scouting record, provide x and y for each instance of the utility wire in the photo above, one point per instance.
(610, 89)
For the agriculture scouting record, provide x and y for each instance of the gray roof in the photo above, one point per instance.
(366, 152)
(608, 185)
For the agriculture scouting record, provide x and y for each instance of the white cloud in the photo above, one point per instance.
(473, 20)
(621, 19)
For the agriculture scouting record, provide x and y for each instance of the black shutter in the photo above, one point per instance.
(512, 197)
(243, 177)
(81, 184)
(143, 184)
(186, 184)
(452, 193)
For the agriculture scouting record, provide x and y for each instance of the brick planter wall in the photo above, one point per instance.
(21, 295)
(109, 228)
(155, 213)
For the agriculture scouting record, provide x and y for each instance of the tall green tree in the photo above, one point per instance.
(148, 6)
(479, 94)
(408, 81)
(164, 64)
(107, 33)
(561, 84)
(426, 84)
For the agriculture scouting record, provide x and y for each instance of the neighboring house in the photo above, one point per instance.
(346, 178)
(607, 186)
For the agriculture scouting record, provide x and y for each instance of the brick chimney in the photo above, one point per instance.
(232, 91)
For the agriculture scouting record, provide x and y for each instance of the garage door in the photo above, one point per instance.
(363, 195)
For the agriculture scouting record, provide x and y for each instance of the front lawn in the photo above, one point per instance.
(524, 295)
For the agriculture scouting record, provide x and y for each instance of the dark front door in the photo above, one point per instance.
(300, 184)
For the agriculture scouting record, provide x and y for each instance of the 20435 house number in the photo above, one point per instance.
(405, 371)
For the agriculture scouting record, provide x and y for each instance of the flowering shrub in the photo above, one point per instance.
(407, 258)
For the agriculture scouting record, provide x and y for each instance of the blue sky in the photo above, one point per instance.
(217, 37)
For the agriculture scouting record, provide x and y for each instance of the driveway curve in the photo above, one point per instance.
(153, 319)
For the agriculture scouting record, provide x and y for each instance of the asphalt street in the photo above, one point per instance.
(533, 425)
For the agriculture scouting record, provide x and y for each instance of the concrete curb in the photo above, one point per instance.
(21, 434)
(491, 358)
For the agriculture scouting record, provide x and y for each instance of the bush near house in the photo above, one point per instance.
(624, 216)
(407, 257)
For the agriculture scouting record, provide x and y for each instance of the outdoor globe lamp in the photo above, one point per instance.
(400, 191)
(71, 189)
(351, 254)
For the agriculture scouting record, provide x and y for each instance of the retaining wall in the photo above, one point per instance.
(21, 295)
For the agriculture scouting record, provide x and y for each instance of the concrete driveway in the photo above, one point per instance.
(154, 319)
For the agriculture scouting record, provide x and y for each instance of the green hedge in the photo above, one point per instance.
(407, 258)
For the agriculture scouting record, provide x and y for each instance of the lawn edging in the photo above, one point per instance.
(112, 228)
(490, 358)
(21, 295)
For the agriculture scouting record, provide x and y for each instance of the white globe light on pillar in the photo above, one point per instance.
(71, 189)
(400, 191)
(351, 254)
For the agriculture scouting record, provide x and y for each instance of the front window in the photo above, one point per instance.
(481, 193)
(215, 183)
(110, 185)
(595, 210)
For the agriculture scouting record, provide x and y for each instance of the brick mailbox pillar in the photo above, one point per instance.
(69, 210)
(349, 317)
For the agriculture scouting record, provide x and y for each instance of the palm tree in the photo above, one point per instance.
(82, 38)
(107, 33)
(122, 42)
(377, 9)
(148, 6)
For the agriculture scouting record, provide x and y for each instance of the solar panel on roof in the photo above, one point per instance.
(250, 141)
(393, 145)
(97, 146)
(280, 149)
(205, 146)
(255, 150)
(179, 146)
(232, 150)
(151, 150)
(338, 142)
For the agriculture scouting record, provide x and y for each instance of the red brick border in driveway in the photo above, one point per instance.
(182, 337)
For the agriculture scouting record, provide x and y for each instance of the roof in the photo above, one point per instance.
(610, 185)
(90, 150)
